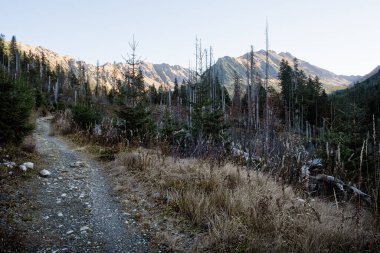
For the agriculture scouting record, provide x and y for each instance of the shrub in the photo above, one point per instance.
(62, 123)
(29, 145)
(137, 122)
(85, 115)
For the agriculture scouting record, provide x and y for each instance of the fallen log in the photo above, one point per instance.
(313, 180)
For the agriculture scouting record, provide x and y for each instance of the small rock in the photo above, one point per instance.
(138, 216)
(70, 232)
(8, 164)
(63, 195)
(23, 168)
(60, 214)
(300, 200)
(84, 228)
(29, 165)
(45, 173)
(156, 195)
(77, 164)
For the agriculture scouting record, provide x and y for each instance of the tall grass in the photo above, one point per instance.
(239, 210)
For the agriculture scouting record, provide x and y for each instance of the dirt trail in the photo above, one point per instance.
(73, 209)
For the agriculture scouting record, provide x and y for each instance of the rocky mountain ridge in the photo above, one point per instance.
(165, 74)
(226, 66)
(154, 74)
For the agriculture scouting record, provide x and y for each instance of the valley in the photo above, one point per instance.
(243, 143)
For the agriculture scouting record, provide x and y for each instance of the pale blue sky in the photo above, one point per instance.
(340, 35)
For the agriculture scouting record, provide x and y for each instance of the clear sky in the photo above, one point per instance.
(340, 35)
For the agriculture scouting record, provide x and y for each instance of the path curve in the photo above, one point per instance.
(74, 208)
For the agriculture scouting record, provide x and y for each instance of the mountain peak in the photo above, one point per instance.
(154, 74)
(229, 65)
(287, 54)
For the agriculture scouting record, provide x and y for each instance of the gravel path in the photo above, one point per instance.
(74, 210)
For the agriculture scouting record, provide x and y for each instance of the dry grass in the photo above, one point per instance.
(29, 144)
(236, 210)
(62, 123)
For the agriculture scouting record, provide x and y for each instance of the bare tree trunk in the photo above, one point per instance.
(266, 96)
(56, 91)
(49, 85)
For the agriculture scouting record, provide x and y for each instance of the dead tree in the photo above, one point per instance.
(313, 176)
(266, 92)
(97, 79)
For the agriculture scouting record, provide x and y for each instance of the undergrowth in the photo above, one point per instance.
(244, 211)
(235, 208)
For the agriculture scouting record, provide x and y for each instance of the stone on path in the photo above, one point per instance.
(23, 167)
(29, 165)
(84, 228)
(45, 173)
(77, 164)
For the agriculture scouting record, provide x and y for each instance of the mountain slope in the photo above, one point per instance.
(370, 74)
(226, 66)
(364, 95)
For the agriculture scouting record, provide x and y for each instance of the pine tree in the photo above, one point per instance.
(137, 122)
(183, 94)
(16, 103)
(168, 127)
(14, 56)
(236, 100)
(285, 75)
(3, 55)
(176, 92)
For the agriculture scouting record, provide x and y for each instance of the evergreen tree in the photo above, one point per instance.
(285, 76)
(137, 122)
(153, 95)
(175, 91)
(236, 100)
(208, 122)
(2, 51)
(183, 94)
(14, 55)
(16, 103)
(168, 127)
(85, 115)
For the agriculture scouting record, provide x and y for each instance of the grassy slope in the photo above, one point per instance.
(232, 209)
